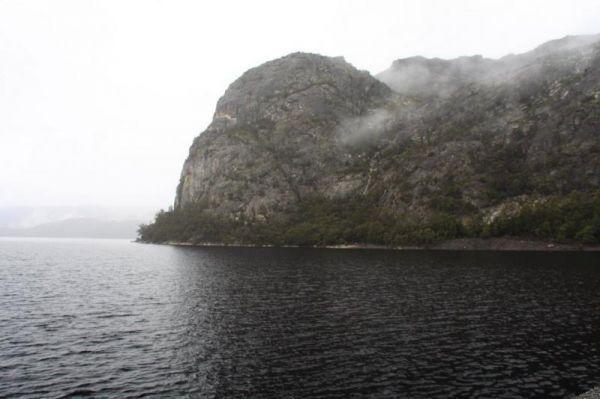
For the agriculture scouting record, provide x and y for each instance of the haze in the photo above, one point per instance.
(100, 100)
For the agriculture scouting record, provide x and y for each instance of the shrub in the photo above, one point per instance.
(586, 235)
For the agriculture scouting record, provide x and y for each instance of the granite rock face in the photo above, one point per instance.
(274, 136)
(465, 135)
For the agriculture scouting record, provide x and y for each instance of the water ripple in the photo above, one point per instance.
(103, 318)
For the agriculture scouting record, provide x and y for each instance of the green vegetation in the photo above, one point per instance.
(572, 217)
(313, 222)
(506, 172)
(321, 221)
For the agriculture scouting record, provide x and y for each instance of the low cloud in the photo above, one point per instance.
(364, 129)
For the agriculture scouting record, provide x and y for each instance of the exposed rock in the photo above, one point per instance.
(593, 394)
(273, 137)
(473, 132)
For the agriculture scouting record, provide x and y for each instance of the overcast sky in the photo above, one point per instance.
(100, 100)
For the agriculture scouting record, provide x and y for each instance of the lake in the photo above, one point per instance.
(111, 318)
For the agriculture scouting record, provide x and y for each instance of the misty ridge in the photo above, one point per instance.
(438, 77)
(418, 80)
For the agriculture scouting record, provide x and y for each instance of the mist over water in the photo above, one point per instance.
(113, 318)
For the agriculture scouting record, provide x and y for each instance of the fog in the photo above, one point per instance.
(100, 100)
(441, 78)
(361, 129)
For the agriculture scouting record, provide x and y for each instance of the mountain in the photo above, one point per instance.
(308, 150)
(17, 217)
(77, 228)
(274, 133)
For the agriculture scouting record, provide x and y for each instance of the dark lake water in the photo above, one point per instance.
(110, 318)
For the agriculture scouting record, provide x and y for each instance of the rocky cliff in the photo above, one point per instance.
(469, 138)
(273, 139)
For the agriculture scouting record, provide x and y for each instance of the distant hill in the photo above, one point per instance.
(77, 228)
(30, 216)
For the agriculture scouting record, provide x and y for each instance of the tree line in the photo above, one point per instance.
(323, 221)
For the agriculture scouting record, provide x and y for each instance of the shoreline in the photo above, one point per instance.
(458, 244)
(591, 394)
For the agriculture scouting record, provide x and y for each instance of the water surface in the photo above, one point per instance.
(110, 318)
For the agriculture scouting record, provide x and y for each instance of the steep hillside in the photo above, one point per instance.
(274, 135)
(308, 150)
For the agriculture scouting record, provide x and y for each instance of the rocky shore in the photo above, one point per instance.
(511, 244)
(460, 244)
(593, 394)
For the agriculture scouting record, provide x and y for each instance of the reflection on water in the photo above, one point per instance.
(113, 318)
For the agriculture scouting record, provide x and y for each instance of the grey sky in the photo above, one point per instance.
(100, 100)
